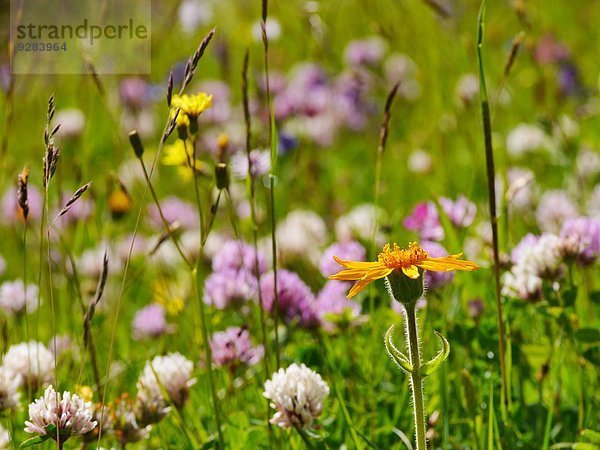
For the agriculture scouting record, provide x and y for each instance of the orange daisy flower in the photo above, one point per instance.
(391, 259)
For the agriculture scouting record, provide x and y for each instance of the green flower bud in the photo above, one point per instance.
(404, 289)
(222, 176)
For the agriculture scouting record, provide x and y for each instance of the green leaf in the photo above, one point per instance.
(431, 366)
(593, 355)
(34, 441)
(536, 354)
(595, 296)
(588, 335)
(591, 436)
(399, 358)
(585, 446)
(570, 296)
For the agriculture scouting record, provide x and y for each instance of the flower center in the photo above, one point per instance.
(397, 257)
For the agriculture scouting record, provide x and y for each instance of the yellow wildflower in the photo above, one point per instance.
(396, 259)
(171, 301)
(119, 201)
(85, 392)
(181, 154)
(192, 105)
(177, 154)
(182, 120)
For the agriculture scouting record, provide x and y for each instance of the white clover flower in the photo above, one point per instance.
(521, 284)
(521, 184)
(171, 374)
(32, 361)
(401, 68)
(4, 439)
(526, 138)
(419, 161)
(16, 298)
(91, 262)
(301, 234)
(9, 393)
(260, 164)
(72, 122)
(70, 414)
(467, 88)
(358, 224)
(587, 163)
(194, 13)
(297, 393)
(537, 259)
(272, 27)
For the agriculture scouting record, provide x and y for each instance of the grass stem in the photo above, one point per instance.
(489, 157)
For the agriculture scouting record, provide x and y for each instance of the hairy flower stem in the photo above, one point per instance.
(416, 381)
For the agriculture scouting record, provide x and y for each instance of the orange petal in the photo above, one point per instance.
(349, 274)
(366, 265)
(359, 286)
(368, 278)
(447, 264)
(411, 272)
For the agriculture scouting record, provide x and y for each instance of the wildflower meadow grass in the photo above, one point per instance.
(313, 224)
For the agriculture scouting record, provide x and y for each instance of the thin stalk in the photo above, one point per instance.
(252, 195)
(305, 439)
(25, 282)
(168, 229)
(276, 292)
(334, 372)
(41, 260)
(138, 219)
(50, 287)
(196, 275)
(204, 325)
(274, 150)
(416, 381)
(383, 135)
(489, 157)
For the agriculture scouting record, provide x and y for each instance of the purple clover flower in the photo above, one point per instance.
(229, 288)
(476, 308)
(16, 298)
(331, 302)
(368, 52)
(11, 212)
(584, 232)
(295, 297)
(150, 322)
(461, 211)
(233, 347)
(174, 210)
(425, 221)
(236, 256)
